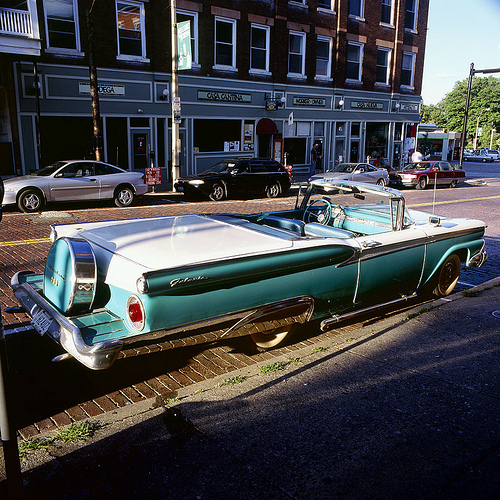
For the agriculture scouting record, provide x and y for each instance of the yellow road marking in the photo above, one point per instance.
(23, 242)
(452, 201)
(47, 240)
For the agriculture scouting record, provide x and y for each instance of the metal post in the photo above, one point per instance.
(7, 428)
(94, 91)
(466, 113)
(36, 84)
(175, 95)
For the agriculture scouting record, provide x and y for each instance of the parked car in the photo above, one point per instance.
(344, 248)
(1, 196)
(361, 172)
(427, 173)
(478, 156)
(236, 177)
(74, 180)
(492, 153)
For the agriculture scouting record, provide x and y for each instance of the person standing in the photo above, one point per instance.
(417, 156)
(314, 158)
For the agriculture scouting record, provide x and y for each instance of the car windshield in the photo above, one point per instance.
(44, 172)
(223, 166)
(416, 166)
(342, 167)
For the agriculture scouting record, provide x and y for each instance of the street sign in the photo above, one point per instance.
(153, 176)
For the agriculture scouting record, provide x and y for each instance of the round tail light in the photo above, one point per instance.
(135, 313)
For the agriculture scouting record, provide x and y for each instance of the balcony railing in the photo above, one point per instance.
(15, 22)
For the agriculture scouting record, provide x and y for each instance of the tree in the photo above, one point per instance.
(449, 112)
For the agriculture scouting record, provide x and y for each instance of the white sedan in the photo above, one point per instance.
(359, 172)
(74, 180)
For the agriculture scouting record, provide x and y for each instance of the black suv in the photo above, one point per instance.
(237, 176)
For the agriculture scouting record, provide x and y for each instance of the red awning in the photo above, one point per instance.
(266, 126)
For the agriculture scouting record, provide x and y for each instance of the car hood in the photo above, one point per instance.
(23, 179)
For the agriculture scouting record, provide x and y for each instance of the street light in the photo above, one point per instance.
(493, 130)
(477, 126)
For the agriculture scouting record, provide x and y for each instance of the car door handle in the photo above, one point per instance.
(95, 180)
(370, 244)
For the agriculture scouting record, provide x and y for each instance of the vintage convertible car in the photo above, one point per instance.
(345, 248)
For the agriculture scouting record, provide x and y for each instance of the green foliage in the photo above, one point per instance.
(449, 112)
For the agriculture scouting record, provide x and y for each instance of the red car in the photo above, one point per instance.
(424, 173)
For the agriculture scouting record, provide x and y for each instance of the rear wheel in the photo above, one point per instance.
(271, 338)
(30, 201)
(217, 192)
(273, 190)
(422, 183)
(124, 196)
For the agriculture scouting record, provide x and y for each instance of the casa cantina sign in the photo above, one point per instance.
(367, 105)
(210, 95)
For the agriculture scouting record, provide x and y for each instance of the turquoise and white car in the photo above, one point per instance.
(163, 282)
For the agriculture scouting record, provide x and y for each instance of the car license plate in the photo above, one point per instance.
(41, 321)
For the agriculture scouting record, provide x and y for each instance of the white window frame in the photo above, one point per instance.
(142, 17)
(387, 67)
(329, 41)
(194, 34)
(390, 5)
(329, 9)
(300, 2)
(411, 56)
(267, 30)
(63, 50)
(414, 11)
(302, 53)
(360, 68)
(358, 15)
(231, 22)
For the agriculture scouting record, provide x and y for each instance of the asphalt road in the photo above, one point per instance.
(54, 395)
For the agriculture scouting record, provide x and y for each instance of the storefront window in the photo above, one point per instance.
(376, 139)
(212, 135)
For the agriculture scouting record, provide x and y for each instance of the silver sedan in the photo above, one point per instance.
(360, 172)
(74, 180)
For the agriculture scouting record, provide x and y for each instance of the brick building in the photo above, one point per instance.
(268, 78)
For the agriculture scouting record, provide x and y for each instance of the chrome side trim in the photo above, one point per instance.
(326, 323)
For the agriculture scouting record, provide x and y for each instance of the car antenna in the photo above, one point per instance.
(434, 196)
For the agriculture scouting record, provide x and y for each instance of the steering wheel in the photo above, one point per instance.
(321, 213)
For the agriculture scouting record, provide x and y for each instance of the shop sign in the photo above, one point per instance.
(367, 105)
(84, 88)
(207, 95)
(409, 108)
(309, 101)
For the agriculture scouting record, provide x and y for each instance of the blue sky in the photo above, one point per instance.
(460, 32)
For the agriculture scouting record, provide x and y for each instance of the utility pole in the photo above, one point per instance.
(176, 118)
(94, 90)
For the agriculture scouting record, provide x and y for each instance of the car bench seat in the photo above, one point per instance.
(316, 229)
(294, 225)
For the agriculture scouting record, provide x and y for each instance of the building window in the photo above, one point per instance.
(296, 54)
(324, 57)
(411, 14)
(259, 48)
(325, 4)
(407, 69)
(61, 20)
(192, 17)
(386, 16)
(354, 61)
(356, 8)
(131, 36)
(225, 43)
(383, 62)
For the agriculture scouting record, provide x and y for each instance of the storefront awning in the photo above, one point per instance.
(266, 126)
